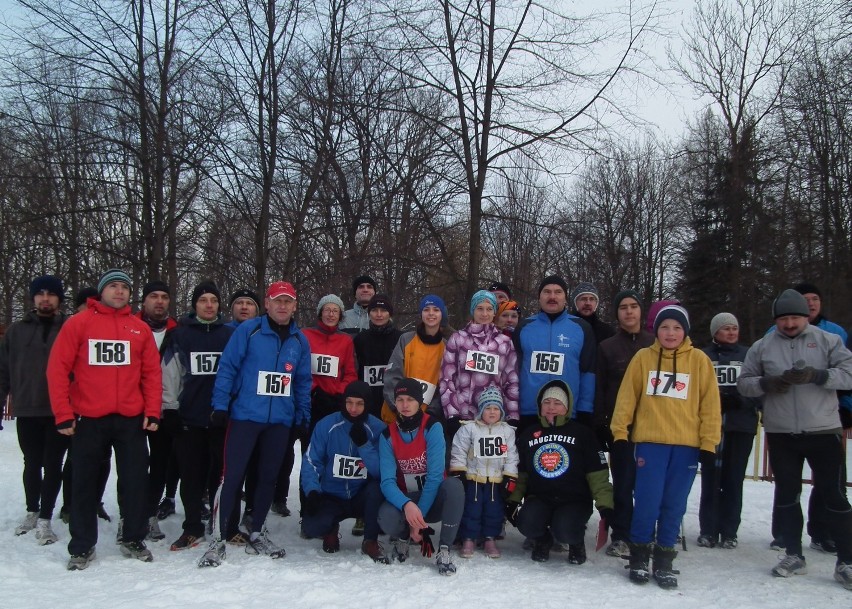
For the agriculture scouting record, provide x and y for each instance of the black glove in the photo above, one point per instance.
(427, 548)
(805, 375)
(311, 503)
(620, 451)
(607, 515)
(219, 418)
(707, 460)
(507, 487)
(512, 512)
(302, 430)
(358, 433)
(774, 384)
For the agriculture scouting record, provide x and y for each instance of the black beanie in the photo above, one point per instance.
(358, 389)
(409, 386)
(205, 287)
(675, 312)
(245, 293)
(83, 295)
(498, 286)
(790, 302)
(616, 302)
(50, 283)
(156, 286)
(553, 279)
(380, 301)
(362, 279)
(807, 288)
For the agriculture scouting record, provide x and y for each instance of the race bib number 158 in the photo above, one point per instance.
(109, 352)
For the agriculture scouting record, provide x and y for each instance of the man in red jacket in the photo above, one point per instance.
(106, 390)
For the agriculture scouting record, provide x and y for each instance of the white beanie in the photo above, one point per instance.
(330, 299)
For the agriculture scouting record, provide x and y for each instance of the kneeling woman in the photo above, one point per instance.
(561, 469)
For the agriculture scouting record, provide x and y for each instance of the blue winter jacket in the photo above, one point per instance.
(264, 379)
(329, 442)
(436, 456)
(568, 335)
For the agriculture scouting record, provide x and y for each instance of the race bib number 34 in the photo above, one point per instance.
(109, 352)
(482, 361)
(349, 468)
(273, 383)
(667, 385)
(547, 362)
(204, 363)
(374, 376)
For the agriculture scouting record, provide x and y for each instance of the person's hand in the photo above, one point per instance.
(774, 384)
(67, 428)
(311, 503)
(507, 487)
(708, 461)
(150, 423)
(219, 418)
(414, 517)
(803, 376)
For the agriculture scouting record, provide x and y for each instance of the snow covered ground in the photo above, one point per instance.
(34, 577)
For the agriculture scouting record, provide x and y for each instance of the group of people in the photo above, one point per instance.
(510, 419)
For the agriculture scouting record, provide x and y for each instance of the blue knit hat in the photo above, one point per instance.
(114, 275)
(675, 312)
(490, 396)
(49, 283)
(480, 296)
(435, 301)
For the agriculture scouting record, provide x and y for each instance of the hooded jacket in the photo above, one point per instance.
(486, 453)
(24, 352)
(739, 413)
(461, 379)
(614, 355)
(806, 408)
(654, 406)
(115, 365)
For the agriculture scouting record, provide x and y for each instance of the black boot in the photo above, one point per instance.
(541, 549)
(639, 555)
(663, 570)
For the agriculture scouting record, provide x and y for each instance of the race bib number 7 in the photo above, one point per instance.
(109, 352)
(482, 361)
(273, 383)
(667, 385)
(547, 362)
(349, 468)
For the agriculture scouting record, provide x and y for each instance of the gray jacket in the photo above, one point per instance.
(355, 320)
(804, 408)
(23, 365)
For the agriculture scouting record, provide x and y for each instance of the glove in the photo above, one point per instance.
(620, 451)
(774, 384)
(512, 512)
(607, 515)
(707, 459)
(507, 487)
(427, 548)
(302, 431)
(358, 433)
(311, 503)
(805, 375)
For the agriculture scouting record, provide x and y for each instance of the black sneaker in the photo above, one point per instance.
(577, 553)
(78, 562)
(706, 541)
(280, 508)
(185, 541)
(166, 508)
(826, 545)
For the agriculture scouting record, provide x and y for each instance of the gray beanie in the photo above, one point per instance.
(330, 299)
(790, 302)
(720, 320)
(584, 287)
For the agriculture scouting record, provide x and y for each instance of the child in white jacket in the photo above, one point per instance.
(485, 456)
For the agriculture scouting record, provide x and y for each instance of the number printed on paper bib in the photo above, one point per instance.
(428, 390)
(324, 365)
(482, 361)
(273, 383)
(667, 385)
(547, 362)
(491, 447)
(109, 352)
(727, 375)
(374, 376)
(204, 362)
(349, 468)
(414, 482)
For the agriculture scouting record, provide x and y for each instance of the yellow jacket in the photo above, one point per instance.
(654, 406)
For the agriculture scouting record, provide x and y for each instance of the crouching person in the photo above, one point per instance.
(412, 456)
(561, 470)
(340, 473)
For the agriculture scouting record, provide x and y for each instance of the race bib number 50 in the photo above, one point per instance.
(273, 383)
(667, 385)
(109, 352)
(727, 375)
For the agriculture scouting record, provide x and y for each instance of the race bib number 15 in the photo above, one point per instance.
(667, 385)
(273, 383)
(109, 352)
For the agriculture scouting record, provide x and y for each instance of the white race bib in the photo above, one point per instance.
(667, 385)
(428, 390)
(490, 447)
(482, 361)
(414, 482)
(204, 362)
(349, 468)
(324, 365)
(547, 362)
(109, 352)
(374, 376)
(727, 375)
(273, 383)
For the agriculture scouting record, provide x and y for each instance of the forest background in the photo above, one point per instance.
(433, 144)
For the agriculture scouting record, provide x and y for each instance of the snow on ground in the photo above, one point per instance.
(35, 577)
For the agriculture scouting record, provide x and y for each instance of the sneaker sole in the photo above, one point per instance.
(47, 541)
(140, 557)
(801, 571)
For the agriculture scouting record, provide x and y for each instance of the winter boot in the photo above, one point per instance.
(374, 550)
(541, 548)
(358, 527)
(468, 548)
(490, 548)
(639, 556)
(663, 570)
(445, 561)
(577, 553)
(400, 549)
(331, 541)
